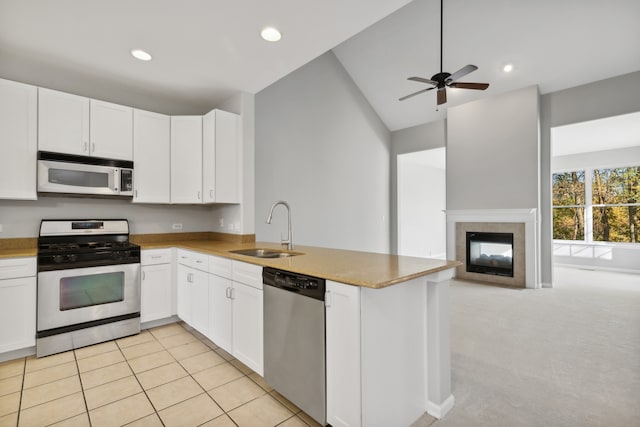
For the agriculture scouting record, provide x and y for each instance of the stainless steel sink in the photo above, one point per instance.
(266, 253)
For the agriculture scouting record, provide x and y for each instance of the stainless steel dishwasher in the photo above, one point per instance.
(294, 339)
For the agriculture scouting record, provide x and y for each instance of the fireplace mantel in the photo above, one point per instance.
(529, 217)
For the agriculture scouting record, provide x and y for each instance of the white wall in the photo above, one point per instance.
(321, 147)
(621, 157)
(492, 152)
(422, 223)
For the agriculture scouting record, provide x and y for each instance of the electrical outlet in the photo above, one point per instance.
(177, 226)
(221, 222)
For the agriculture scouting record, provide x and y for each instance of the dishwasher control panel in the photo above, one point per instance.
(312, 287)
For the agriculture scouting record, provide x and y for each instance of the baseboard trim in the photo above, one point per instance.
(439, 411)
(17, 354)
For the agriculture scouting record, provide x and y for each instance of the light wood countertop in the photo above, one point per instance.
(18, 247)
(367, 269)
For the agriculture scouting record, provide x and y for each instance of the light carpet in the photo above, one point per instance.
(567, 356)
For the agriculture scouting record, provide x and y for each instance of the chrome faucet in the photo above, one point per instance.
(289, 240)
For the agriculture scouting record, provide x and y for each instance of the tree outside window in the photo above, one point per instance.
(606, 209)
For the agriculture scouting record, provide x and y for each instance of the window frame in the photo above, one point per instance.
(588, 207)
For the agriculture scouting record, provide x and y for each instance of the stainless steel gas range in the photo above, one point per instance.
(88, 284)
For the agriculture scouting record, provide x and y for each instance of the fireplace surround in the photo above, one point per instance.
(523, 223)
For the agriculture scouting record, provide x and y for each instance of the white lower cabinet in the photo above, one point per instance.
(17, 303)
(343, 355)
(220, 311)
(157, 291)
(235, 310)
(247, 326)
(193, 290)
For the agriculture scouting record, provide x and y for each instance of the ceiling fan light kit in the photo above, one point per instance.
(442, 80)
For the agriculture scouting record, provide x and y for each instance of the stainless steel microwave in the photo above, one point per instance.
(81, 175)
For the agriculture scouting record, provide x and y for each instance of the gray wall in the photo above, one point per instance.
(605, 98)
(321, 147)
(22, 218)
(492, 152)
(409, 140)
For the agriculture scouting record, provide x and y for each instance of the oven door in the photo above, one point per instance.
(80, 295)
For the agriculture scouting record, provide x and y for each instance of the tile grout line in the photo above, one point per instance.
(84, 397)
(24, 374)
(138, 381)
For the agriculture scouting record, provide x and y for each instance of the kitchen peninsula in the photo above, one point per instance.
(387, 328)
(387, 319)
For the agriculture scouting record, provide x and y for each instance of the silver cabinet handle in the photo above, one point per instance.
(199, 261)
(85, 147)
(136, 192)
(144, 276)
(93, 148)
(211, 193)
(198, 195)
(327, 299)
(156, 256)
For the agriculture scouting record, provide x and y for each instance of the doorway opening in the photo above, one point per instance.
(421, 204)
(595, 179)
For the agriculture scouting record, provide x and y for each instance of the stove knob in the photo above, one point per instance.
(58, 259)
(72, 258)
(127, 254)
(117, 255)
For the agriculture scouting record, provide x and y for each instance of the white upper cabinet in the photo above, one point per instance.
(63, 122)
(77, 125)
(111, 130)
(186, 159)
(220, 157)
(151, 157)
(18, 140)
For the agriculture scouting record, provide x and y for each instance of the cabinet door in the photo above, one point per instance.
(17, 313)
(155, 298)
(220, 312)
(186, 159)
(220, 182)
(184, 292)
(63, 122)
(18, 140)
(151, 154)
(247, 326)
(200, 301)
(111, 130)
(343, 355)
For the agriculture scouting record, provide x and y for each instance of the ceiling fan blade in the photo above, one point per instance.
(442, 96)
(415, 93)
(423, 80)
(476, 86)
(462, 72)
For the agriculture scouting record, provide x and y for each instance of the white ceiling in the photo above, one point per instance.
(206, 50)
(596, 135)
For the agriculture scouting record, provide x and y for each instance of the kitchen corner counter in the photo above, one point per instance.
(371, 270)
(18, 247)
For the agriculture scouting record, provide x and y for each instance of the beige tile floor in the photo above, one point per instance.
(170, 375)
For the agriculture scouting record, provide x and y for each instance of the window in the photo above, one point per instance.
(616, 203)
(568, 205)
(604, 208)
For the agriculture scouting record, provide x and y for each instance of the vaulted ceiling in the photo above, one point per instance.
(206, 50)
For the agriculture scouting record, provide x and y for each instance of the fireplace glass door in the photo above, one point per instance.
(490, 253)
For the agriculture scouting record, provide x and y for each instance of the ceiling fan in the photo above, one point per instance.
(442, 80)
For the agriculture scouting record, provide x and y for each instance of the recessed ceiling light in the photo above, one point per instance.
(508, 68)
(141, 55)
(271, 34)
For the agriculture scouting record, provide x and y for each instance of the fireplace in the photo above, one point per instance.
(489, 253)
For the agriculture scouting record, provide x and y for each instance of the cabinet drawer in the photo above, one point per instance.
(249, 274)
(220, 266)
(193, 259)
(12, 268)
(155, 256)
